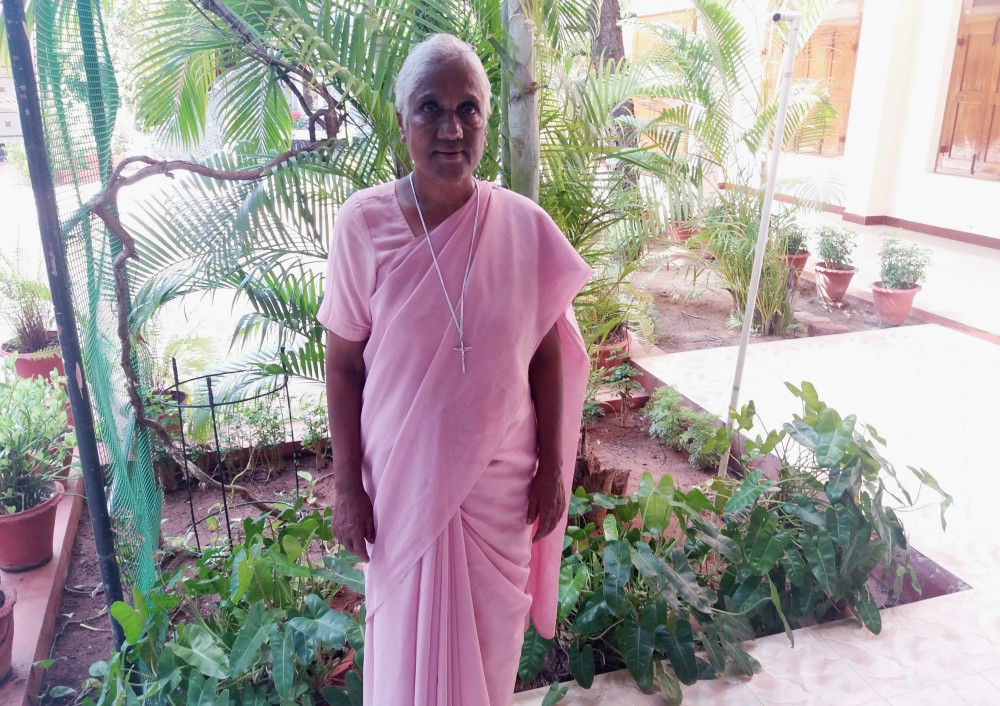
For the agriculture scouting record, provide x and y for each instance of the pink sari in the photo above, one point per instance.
(448, 457)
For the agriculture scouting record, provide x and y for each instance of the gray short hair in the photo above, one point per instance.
(437, 47)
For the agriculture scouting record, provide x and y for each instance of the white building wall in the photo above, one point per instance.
(904, 61)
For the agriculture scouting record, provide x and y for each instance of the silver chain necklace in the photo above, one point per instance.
(458, 320)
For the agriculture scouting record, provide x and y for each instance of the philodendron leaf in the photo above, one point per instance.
(753, 486)
(533, 653)
(776, 602)
(249, 640)
(834, 437)
(555, 694)
(130, 619)
(572, 579)
(635, 641)
(581, 664)
(654, 503)
(203, 651)
(767, 550)
(677, 644)
(327, 626)
(803, 433)
(617, 569)
(868, 611)
(669, 686)
(822, 559)
(201, 691)
(283, 663)
(344, 571)
(610, 527)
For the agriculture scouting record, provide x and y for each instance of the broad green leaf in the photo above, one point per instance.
(292, 547)
(241, 576)
(343, 571)
(555, 694)
(802, 433)
(610, 528)
(839, 523)
(581, 664)
(617, 569)
(249, 640)
(753, 486)
(725, 546)
(835, 436)
(804, 509)
(840, 481)
(822, 560)
(572, 579)
(636, 642)
(201, 691)
(203, 651)
(794, 566)
(669, 686)
(767, 550)
(697, 500)
(594, 617)
(330, 628)
(868, 611)
(929, 480)
(130, 619)
(283, 663)
(654, 502)
(776, 602)
(677, 574)
(58, 692)
(677, 643)
(253, 696)
(533, 653)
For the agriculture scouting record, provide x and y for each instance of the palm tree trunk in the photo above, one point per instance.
(521, 99)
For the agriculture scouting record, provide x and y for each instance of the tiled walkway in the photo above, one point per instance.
(931, 392)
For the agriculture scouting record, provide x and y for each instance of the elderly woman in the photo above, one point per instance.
(455, 379)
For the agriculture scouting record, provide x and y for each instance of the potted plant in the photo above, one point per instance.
(904, 267)
(35, 441)
(792, 245)
(8, 597)
(35, 346)
(834, 269)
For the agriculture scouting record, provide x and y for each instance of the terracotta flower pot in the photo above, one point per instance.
(832, 282)
(38, 364)
(892, 306)
(26, 537)
(8, 597)
(795, 263)
(681, 231)
(610, 349)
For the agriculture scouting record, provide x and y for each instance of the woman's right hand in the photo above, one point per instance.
(354, 521)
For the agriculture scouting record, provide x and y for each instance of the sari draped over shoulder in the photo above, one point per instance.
(448, 457)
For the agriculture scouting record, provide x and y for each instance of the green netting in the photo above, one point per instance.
(79, 101)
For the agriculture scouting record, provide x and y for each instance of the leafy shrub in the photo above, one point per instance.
(672, 581)
(253, 626)
(683, 428)
(836, 245)
(904, 265)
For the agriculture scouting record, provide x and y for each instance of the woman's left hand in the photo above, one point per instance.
(546, 500)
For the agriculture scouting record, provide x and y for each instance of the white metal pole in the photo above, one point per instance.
(794, 21)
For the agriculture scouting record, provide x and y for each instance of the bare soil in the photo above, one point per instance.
(692, 313)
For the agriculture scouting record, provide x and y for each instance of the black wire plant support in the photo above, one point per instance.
(214, 407)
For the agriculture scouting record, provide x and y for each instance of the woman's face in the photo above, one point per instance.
(445, 129)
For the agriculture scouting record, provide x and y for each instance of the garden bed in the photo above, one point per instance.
(691, 315)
